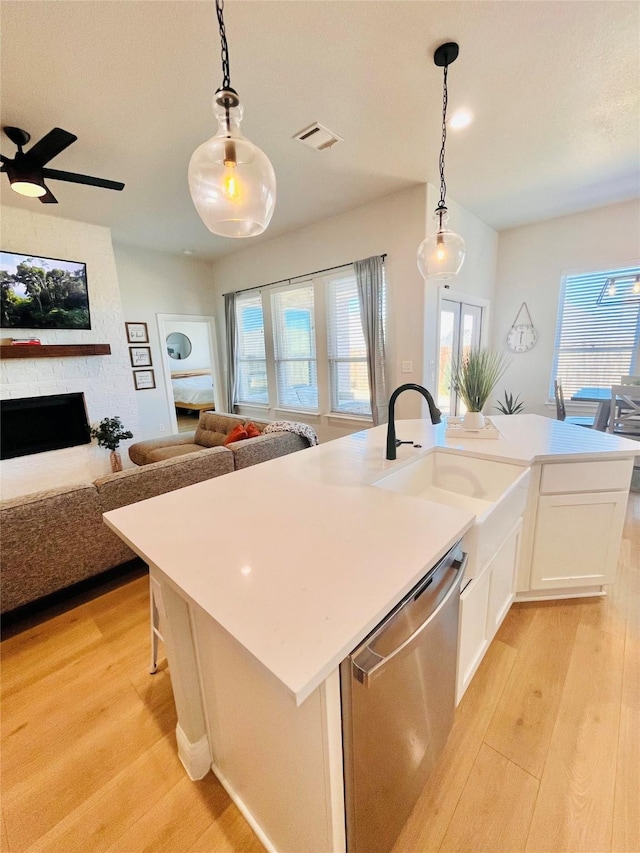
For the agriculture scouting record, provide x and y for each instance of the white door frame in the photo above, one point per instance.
(218, 397)
(446, 293)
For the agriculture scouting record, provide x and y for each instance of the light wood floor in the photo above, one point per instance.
(544, 754)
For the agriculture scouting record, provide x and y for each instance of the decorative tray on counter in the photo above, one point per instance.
(455, 429)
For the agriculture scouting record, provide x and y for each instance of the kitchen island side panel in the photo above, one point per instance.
(281, 763)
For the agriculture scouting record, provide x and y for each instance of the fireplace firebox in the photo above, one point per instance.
(37, 424)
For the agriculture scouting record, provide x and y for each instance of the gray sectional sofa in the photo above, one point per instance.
(56, 538)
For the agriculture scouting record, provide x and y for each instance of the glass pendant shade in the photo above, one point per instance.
(231, 181)
(441, 255)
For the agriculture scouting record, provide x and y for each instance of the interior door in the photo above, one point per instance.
(460, 326)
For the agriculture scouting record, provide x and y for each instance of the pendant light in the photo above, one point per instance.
(441, 255)
(231, 181)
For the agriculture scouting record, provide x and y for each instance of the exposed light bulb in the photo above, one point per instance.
(611, 290)
(232, 182)
(636, 285)
(441, 255)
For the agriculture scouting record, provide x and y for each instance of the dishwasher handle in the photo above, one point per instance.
(367, 669)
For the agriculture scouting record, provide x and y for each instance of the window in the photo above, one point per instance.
(251, 362)
(294, 338)
(596, 342)
(346, 349)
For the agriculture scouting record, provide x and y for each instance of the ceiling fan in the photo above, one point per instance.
(27, 173)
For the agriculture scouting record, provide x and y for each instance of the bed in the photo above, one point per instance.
(193, 390)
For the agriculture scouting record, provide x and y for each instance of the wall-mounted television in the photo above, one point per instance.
(43, 293)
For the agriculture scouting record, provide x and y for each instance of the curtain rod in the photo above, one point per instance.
(304, 275)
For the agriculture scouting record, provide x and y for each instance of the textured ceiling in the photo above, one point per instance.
(553, 86)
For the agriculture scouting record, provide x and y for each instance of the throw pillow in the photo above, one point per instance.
(252, 430)
(238, 433)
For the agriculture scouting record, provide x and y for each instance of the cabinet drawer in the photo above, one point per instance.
(603, 476)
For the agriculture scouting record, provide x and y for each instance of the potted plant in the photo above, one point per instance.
(511, 405)
(110, 432)
(474, 378)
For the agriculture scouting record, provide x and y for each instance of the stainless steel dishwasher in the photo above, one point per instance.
(398, 700)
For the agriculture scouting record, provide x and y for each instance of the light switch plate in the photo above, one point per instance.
(407, 367)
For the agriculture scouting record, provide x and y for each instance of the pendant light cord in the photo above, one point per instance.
(224, 52)
(443, 185)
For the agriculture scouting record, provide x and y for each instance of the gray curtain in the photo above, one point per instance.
(230, 325)
(370, 278)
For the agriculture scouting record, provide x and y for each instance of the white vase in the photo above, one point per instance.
(473, 420)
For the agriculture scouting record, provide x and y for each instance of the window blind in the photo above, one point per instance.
(295, 347)
(595, 343)
(251, 363)
(347, 351)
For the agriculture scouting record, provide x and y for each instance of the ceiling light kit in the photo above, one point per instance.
(231, 181)
(26, 170)
(441, 255)
(624, 288)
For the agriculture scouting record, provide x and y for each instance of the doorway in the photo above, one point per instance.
(191, 368)
(460, 330)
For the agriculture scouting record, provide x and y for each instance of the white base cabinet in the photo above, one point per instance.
(484, 603)
(574, 520)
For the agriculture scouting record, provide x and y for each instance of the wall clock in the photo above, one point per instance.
(522, 334)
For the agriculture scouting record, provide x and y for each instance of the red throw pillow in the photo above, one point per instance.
(252, 430)
(236, 434)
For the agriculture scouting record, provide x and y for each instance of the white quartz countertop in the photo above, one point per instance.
(299, 558)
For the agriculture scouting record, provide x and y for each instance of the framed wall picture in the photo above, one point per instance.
(137, 333)
(144, 380)
(140, 356)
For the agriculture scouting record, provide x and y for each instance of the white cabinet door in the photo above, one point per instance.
(577, 538)
(503, 582)
(472, 636)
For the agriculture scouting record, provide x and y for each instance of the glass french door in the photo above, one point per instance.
(460, 325)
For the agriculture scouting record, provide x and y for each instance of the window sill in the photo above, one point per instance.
(343, 416)
(310, 413)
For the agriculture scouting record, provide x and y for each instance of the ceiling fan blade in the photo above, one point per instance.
(74, 178)
(48, 197)
(50, 146)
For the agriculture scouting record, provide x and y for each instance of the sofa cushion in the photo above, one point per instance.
(213, 428)
(161, 453)
(253, 431)
(138, 484)
(251, 451)
(139, 452)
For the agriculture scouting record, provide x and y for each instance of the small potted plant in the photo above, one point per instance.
(511, 405)
(474, 378)
(110, 432)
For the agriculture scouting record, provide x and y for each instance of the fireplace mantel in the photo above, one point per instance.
(54, 350)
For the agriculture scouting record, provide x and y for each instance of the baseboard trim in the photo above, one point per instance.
(246, 813)
(195, 757)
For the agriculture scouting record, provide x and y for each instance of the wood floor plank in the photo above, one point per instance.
(229, 834)
(476, 824)
(626, 812)
(524, 719)
(101, 820)
(177, 820)
(574, 810)
(432, 813)
(516, 623)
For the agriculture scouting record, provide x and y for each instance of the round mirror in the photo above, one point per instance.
(178, 345)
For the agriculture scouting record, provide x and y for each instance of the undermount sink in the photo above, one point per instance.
(495, 492)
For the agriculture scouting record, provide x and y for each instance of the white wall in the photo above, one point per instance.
(105, 380)
(394, 225)
(153, 283)
(477, 278)
(531, 262)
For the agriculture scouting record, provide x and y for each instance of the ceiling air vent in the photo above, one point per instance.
(318, 136)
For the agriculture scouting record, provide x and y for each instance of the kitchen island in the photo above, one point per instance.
(268, 577)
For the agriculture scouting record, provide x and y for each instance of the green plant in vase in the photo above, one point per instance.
(474, 379)
(110, 432)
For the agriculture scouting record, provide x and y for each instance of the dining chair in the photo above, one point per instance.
(561, 412)
(624, 415)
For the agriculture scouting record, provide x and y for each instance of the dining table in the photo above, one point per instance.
(601, 396)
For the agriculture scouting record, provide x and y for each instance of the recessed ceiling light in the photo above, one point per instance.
(460, 119)
(187, 251)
